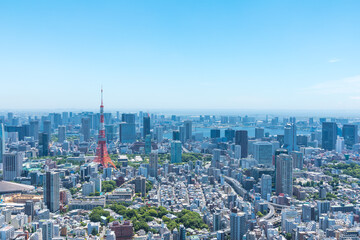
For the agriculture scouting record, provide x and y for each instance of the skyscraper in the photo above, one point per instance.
(2, 142)
(61, 134)
(329, 133)
(85, 128)
(127, 132)
(52, 191)
(176, 135)
(350, 134)
(266, 183)
(148, 144)
(298, 159)
(230, 134)
(259, 133)
(34, 129)
(12, 165)
(128, 118)
(241, 138)
(140, 185)
(284, 174)
(44, 144)
(176, 152)
(216, 221)
(159, 134)
(263, 153)
(146, 126)
(290, 140)
(47, 128)
(153, 164)
(188, 130)
(237, 224)
(215, 133)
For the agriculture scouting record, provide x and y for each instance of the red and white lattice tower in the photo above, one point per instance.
(102, 155)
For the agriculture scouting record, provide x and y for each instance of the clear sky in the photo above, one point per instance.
(188, 54)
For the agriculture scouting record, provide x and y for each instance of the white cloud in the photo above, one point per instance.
(334, 60)
(346, 86)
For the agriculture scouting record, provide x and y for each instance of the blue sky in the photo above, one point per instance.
(180, 54)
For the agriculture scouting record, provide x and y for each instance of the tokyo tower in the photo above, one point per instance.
(102, 155)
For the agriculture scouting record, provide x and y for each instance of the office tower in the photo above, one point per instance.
(323, 207)
(182, 133)
(311, 121)
(237, 224)
(146, 126)
(176, 135)
(102, 155)
(216, 221)
(175, 152)
(47, 230)
(237, 151)
(241, 138)
(182, 232)
(266, 184)
(12, 165)
(25, 131)
(140, 185)
(230, 134)
(2, 142)
(290, 140)
(110, 133)
(216, 157)
(188, 130)
(29, 208)
(298, 159)
(47, 128)
(88, 188)
(215, 133)
(10, 118)
(259, 133)
(263, 153)
(128, 118)
(329, 133)
(34, 129)
(148, 144)
(44, 144)
(159, 134)
(85, 128)
(340, 144)
(350, 135)
(52, 191)
(127, 132)
(307, 212)
(65, 118)
(57, 120)
(284, 174)
(61, 134)
(153, 164)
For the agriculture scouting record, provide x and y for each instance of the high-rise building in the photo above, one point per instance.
(216, 157)
(284, 174)
(85, 128)
(44, 144)
(340, 144)
(182, 133)
(61, 134)
(176, 135)
(298, 159)
(110, 133)
(237, 224)
(12, 165)
(230, 134)
(127, 132)
(159, 134)
(2, 142)
(350, 135)
(241, 138)
(329, 133)
(128, 118)
(263, 153)
(215, 133)
(148, 144)
(52, 191)
(259, 133)
(47, 228)
(153, 164)
(290, 139)
(188, 130)
(266, 184)
(176, 152)
(47, 128)
(182, 232)
(29, 208)
(216, 221)
(146, 126)
(34, 129)
(140, 185)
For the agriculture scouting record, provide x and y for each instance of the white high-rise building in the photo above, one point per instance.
(12, 165)
(340, 144)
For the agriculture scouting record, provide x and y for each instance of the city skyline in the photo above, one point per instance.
(188, 56)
